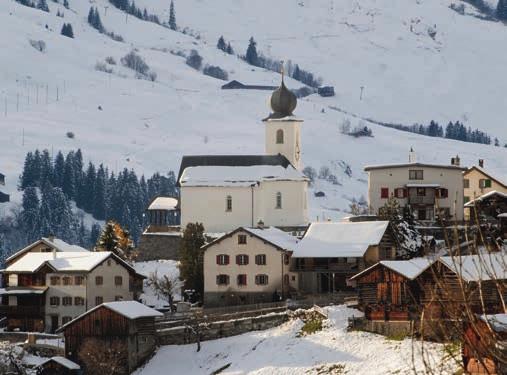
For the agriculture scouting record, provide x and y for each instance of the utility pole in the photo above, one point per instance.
(47, 94)
(37, 94)
(105, 10)
(23, 138)
(57, 94)
(361, 95)
(6, 106)
(17, 102)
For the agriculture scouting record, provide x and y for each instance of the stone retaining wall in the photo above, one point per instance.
(211, 331)
(153, 246)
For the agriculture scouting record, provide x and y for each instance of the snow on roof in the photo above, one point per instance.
(411, 165)
(64, 261)
(503, 215)
(55, 243)
(480, 267)
(132, 309)
(485, 196)
(62, 361)
(163, 203)
(409, 268)
(14, 291)
(277, 237)
(238, 176)
(497, 321)
(340, 239)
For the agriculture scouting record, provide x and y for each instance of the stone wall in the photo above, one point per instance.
(154, 246)
(211, 331)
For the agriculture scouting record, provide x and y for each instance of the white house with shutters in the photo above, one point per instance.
(225, 192)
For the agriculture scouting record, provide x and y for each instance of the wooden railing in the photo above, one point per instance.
(332, 267)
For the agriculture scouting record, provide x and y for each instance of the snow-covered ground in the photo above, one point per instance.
(382, 45)
(280, 351)
(162, 268)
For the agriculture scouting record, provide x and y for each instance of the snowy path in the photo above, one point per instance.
(280, 351)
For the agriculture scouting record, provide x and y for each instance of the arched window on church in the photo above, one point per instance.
(278, 200)
(279, 136)
(228, 203)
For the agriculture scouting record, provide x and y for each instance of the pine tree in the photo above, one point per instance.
(251, 56)
(229, 49)
(67, 30)
(91, 15)
(30, 215)
(58, 170)
(221, 44)
(172, 17)
(46, 169)
(42, 5)
(29, 176)
(66, 4)
(94, 235)
(191, 257)
(99, 207)
(89, 188)
(501, 10)
(116, 240)
(68, 185)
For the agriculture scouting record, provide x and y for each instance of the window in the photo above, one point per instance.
(99, 280)
(242, 239)
(442, 193)
(242, 279)
(279, 136)
(293, 278)
(67, 280)
(228, 203)
(261, 279)
(286, 259)
(415, 174)
(78, 301)
(400, 193)
(67, 301)
(466, 199)
(222, 259)
(118, 280)
(421, 192)
(55, 280)
(118, 298)
(278, 200)
(109, 262)
(54, 301)
(222, 279)
(466, 183)
(78, 280)
(484, 183)
(242, 259)
(66, 319)
(384, 193)
(260, 259)
(99, 300)
(286, 279)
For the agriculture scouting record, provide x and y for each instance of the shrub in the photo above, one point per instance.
(39, 45)
(135, 62)
(310, 172)
(324, 172)
(115, 37)
(70, 135)
(102, 67)
(110, 60)
(152, 76)
(215, 72)
(311, 326)
(194, 60)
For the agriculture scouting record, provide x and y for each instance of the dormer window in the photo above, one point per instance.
(228, 203)
(279, 137)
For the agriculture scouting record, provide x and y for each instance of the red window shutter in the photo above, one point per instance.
(226, 259)
(238, 262)
(384, 193)
(218, 259)
(246, 259)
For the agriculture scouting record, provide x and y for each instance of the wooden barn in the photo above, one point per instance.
(58, 366)
(127, 325)
(484, 345)
(389, 290)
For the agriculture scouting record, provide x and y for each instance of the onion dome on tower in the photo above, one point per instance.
(283, 101)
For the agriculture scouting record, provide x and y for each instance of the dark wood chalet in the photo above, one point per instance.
(128, 324)
(58, 366)
(487, 207)
(484, 345)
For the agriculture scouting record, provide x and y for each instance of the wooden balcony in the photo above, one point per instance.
(20, 312)
(345, 268)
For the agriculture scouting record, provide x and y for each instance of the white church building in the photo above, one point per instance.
(225, 192)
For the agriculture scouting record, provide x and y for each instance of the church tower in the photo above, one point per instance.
(283, 129)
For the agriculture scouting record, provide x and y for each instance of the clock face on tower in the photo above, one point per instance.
(297, 152)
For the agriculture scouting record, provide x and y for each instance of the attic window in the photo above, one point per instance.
(242, 239)
(228, 203)
(278, 200)
(279, 136)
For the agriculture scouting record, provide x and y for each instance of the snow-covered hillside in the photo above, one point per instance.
(382, 45)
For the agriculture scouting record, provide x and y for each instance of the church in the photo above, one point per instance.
(225, 192)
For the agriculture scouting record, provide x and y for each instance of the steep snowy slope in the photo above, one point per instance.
(150, 125)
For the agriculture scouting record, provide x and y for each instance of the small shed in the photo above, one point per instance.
(389, 290)
(484, 345)
(162, 213)
(326, 91)
(126, 325)
(488, 206)
(58, 366)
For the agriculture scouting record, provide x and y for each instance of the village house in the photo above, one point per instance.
(161, 239)
(486, 207)
(430, 191)
(43, 290)
(332, 252)
(248, 265)
(477, 182)
(241, 190)
(484, 345)
(128, 326)
(58, 366)
(3, 197)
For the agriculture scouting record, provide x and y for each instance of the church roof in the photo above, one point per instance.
(231, 161)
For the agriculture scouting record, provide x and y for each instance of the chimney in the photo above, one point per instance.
(481, 163)
(54, 253)
(455, 161)
(51, 237)
(260, 224)
(412, 156)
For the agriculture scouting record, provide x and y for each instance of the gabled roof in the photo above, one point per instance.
(498, 322)
(410, 269)
(486, 196)
(340, 239)
(19, 290)
(487, 174)
(129, 309)
(55, 243)
(414, 165)
(230, 161)
(62, 361)
(274, 236)
(479, 267)
(163, 203)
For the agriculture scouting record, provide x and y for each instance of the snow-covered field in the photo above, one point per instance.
(279, 351)
(161, 268)
(382, 45)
